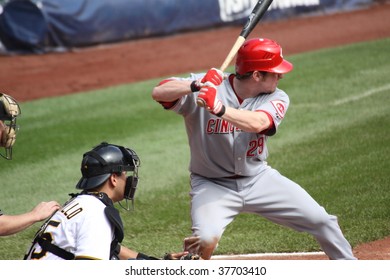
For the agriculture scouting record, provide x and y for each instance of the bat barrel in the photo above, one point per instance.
(257, 13)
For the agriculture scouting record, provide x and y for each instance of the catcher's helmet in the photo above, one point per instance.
(105, 159)
(9, 111)
(261, 54)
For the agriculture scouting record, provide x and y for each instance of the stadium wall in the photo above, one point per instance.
(39, 26)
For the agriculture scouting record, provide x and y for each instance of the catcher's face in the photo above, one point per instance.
(120, 184)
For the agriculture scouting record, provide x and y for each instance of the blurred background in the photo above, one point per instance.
(39, 26)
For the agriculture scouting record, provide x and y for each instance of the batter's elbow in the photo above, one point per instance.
(156, 94)
(159, 92)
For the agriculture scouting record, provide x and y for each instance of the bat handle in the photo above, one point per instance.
(233, 51)
(239, 42)
(200, 102)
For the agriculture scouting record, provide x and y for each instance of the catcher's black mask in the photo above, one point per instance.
(105, 159)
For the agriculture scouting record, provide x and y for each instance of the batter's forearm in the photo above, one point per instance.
(171, 90)
(247, 121)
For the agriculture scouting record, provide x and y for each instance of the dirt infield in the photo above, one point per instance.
(377, 250)
(30, 77)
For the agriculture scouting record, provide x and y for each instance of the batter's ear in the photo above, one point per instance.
(258, 75)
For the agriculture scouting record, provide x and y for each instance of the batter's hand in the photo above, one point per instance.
(208, 97)
(214, 76)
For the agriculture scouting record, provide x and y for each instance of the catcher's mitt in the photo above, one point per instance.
(189, 256)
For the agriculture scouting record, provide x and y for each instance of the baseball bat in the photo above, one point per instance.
(257, 13)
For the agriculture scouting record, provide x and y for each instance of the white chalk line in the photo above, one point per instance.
(361, 96)
(267, 255)
(347, 99)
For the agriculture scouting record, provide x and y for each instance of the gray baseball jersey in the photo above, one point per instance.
(218, 149)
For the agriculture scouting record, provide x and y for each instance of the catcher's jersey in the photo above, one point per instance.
(218, 149)
(80, 227)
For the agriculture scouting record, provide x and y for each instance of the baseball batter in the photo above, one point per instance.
(228, 148)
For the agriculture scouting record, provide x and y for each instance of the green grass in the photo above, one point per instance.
(334, 142)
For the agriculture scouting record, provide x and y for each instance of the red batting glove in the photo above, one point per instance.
(214, 76)
(208, 95)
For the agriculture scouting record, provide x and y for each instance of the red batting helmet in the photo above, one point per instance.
(261, 54)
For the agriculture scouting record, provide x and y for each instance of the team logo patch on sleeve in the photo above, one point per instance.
(279, 107)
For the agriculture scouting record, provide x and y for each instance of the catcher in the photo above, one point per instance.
(9, 111)
(88, 226)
